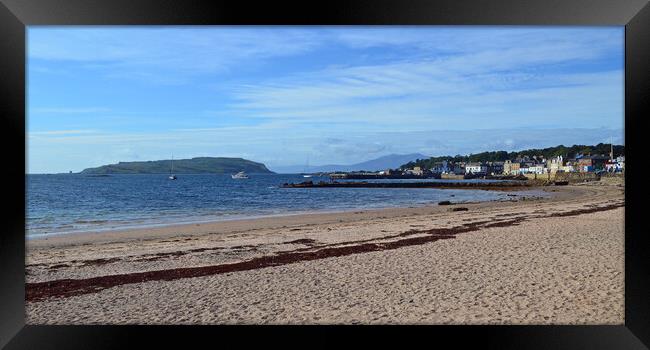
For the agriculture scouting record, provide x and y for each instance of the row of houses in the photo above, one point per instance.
(528, 165)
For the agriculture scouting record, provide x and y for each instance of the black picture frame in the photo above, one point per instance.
(15, 15)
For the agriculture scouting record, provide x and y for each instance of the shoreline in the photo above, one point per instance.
(555, 260)
(130, 231)
(65, 288)
(506, 185)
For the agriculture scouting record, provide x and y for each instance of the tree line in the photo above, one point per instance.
(500, 156)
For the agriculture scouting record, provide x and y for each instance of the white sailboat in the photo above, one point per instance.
(239, 175)
(306, 169)
(171, 171)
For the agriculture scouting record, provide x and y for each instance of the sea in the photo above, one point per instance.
(68, 203)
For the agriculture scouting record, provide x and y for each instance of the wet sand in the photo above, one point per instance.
(557, 260)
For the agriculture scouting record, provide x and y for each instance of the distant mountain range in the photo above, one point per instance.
(199, 165)
(390, 161)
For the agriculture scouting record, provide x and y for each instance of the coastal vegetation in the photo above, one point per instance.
(500, 156)
(198, 165)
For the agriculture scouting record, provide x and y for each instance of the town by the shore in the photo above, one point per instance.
(557, 259)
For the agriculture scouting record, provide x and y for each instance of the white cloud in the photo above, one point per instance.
(458, 39)
(422, 92)
(173, 54)
(166, 55)
(550, 83)
(68, 110)
(60, 132)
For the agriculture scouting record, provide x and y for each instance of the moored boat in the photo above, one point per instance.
(171, 170)
(239, 175)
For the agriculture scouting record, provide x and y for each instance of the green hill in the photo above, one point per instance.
(200, 165)
(499, 156)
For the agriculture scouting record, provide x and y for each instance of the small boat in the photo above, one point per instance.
(239, 175)
(306, 169)
(171, 171)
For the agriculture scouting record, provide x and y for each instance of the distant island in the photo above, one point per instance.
(198, 165)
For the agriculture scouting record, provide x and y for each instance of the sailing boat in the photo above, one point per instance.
(306, 169)
(239, 175)
(171, 171)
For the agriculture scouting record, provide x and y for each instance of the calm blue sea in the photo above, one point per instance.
(66, 203)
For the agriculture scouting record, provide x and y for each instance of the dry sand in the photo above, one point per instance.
(557, 260)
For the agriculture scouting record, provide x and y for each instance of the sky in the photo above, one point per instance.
(287, 95)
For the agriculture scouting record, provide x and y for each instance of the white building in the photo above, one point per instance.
(537, 169)
(612, 166)
(621, 162)
(475, 168)
(533, 169)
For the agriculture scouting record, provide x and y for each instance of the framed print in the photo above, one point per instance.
(450, 170)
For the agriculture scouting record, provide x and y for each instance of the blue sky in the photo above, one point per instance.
(333, 95)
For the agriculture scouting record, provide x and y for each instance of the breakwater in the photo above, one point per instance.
(501, 185)
(576, 177)
(372, 176)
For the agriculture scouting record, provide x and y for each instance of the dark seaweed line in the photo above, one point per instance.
(71, 287)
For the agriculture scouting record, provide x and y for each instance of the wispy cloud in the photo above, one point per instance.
(68, 110)
(174, 54)
(60, 132)
(428, 93)
(165, 55)
(455, 39)
(333, 94)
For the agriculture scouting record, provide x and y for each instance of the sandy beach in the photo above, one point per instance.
(552, 260)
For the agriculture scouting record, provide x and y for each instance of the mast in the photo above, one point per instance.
(171, 171)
